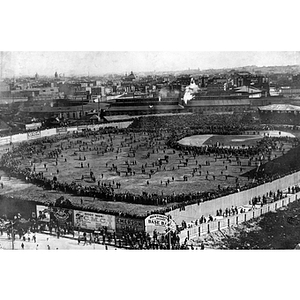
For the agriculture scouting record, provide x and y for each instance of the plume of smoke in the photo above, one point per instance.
(167, 93)
(190, 91)
(163, 93)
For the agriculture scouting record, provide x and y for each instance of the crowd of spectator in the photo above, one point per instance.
(257, 201)
(169, 128)
(25, 230)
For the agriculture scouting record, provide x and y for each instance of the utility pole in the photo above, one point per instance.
(169, 231)
(82, 105)
(12, 236)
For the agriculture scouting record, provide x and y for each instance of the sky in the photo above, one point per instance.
(20, 63)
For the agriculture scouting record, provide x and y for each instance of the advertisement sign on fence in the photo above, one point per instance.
(128, 224)
(48, 132)
(61, 130)
(70, 129)
(93, 127)
(160, 223)
(5, 140)
(19, 137)
(33, 126)
(43, 213)
(33, 135)
(81, 128)
(93, 221)
(61, 215)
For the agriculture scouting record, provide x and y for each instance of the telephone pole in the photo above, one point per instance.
(12, 236)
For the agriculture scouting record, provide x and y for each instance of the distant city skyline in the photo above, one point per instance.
(93, 63)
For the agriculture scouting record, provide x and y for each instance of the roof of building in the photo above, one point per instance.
(280, 107)
(4, 126)
(247, 89)
(243, 73)
(144, 108)
(117, 118)
(95, 117)
(48, 109)
(213, 102)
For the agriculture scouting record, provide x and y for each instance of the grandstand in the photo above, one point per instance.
(280, 114)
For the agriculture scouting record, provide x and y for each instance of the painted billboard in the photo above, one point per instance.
(33, 126)
(124, 224)
(19, 137)
(71, 129)
(33, 135)
(61, 130)
(94, 221)
(81, 128)
(61, 215)
(5, 140)
(43, 213)
(48, 132)
(160, 223)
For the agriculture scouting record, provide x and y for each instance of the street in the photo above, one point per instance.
(45, 240)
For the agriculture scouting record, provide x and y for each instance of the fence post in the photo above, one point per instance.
(199, 230)
(207, 228)
(228, 221)
(268, 208)
(188, 235)
(290, 200)
(261, 211)
(275, 206)
(282, 203)
(245, 217)
(219, 227)
(253, 214)
(237, 220)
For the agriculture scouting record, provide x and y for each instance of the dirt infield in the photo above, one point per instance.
(231, 140)
(223, 140)
(195, 140)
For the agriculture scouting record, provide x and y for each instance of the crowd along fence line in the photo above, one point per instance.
(191, 212)
(31, 135)
(206, 228)
(195, 211)
(48, 132)
(17, 138)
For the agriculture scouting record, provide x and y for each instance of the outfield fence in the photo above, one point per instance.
(195, 211)
(32, 135)
(217, 225)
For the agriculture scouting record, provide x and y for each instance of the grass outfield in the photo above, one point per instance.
(119, 150)
(100, 164)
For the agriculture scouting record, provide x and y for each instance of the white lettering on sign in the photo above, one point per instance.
(160, 223)
(93, 221)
